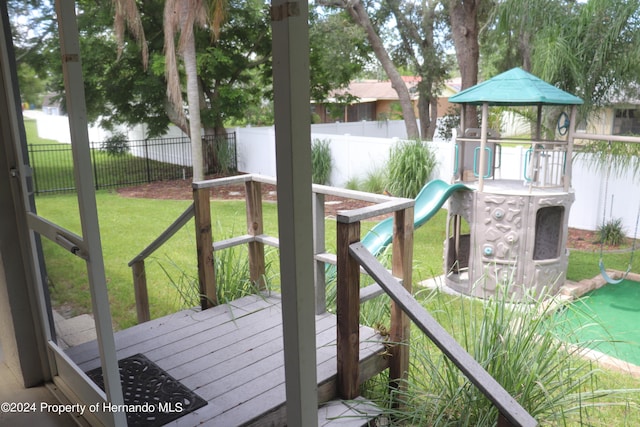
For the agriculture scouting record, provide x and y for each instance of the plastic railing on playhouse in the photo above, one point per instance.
(427, 203)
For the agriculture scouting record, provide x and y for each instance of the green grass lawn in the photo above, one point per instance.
(128, 225)
(52, 163)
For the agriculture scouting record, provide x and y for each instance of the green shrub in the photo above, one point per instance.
(410, 166)
(376, 180)
(353, 183)
(448, 122)
(115, 145)
(611, 232)
(320, 161)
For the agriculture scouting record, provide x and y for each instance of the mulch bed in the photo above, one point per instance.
(181, 190)
(583, 240)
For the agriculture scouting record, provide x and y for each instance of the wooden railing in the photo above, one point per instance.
(139, 270)
(511, 412)
(351, 259)
(254, 238)
(348, 293)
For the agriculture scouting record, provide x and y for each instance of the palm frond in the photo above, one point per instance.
(127, 15)
(171, 26)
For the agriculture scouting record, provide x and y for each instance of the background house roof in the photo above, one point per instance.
(373, 90)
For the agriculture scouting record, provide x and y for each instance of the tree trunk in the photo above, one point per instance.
(464, 28)
(425, 117)
(434, 118)
(193, 99)
(175, 118)
(524, 42)
(361, 17)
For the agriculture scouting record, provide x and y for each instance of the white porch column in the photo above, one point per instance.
(293, 164)
(83, 174)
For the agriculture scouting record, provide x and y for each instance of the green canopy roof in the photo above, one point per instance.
(515, 87)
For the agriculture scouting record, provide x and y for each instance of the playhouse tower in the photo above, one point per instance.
(511, 234)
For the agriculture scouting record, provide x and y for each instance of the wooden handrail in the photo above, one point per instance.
(509, 408)
(356, 215)
(138, 268)
(348, 294)
(166, 235)
(254, 237)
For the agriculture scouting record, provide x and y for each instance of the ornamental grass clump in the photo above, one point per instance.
(232, 274)
(375, 180)
(321, 161)
(411, 164)
(611, 232)
(522, 345)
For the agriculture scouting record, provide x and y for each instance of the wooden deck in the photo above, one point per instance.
(232, 356)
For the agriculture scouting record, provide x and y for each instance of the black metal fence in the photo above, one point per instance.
(119, 163)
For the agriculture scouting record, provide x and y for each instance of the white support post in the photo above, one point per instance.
(568, 170)
(293, 163)
(319, 246)
(75, 97)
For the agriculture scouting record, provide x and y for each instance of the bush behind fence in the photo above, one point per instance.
(121, 163)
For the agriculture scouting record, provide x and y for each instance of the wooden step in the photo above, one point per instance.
(359, 412)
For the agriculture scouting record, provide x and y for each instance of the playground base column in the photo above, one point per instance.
(517, 242)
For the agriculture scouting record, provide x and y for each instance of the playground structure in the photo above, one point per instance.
(502, 234)
(510, 235)
(507, 234)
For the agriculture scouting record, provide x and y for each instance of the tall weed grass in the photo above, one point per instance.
(410, 166)
(321, 162)
(522, 345)
(233, 280)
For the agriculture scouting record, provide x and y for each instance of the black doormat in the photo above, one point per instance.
(154, 397)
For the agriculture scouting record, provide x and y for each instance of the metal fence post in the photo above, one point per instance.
(95, 169)
(146, 157)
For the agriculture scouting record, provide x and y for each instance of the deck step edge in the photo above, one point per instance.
(358, 412)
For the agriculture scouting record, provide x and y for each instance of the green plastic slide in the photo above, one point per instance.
(427, 203)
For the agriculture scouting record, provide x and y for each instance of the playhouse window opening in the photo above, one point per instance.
(548, 233)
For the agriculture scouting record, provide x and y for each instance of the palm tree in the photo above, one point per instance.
(180, 19)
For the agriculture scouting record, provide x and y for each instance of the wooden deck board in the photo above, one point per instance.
(232, 356)
(243, 354)
(155, 333)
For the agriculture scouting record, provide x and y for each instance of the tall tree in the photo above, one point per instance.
(360, 16)
(31, 29)
(421, 51)
(180, 20)
(338, 52)
(591, 49)
(465, 31)
(234, 70)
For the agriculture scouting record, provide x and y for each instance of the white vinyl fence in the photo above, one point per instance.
(355, 156)
(359, 148)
